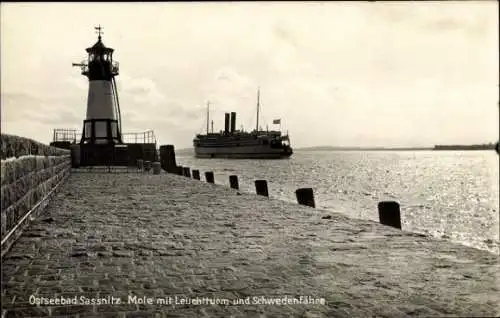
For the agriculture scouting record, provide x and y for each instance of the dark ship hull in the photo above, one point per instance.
(243, 152)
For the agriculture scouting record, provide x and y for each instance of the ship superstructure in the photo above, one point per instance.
(233, 143)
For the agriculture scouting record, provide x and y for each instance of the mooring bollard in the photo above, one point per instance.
(156, 167)
(196, 174)
(187, 172)
(75, 155)
(305, 196)
(209, 176)
(261, 187)
(167, 158)
(180, 170)
(140, 164)
(389, 214)
(147, 165)
(233, 182)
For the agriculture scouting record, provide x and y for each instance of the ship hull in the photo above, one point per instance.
(241, 153)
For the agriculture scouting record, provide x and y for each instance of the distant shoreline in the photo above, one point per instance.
(490, 146)
(435, 148)
(358, 149)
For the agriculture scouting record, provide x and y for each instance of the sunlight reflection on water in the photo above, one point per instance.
(448, 194)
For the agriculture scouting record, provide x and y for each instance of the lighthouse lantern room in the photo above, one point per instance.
(103, 121)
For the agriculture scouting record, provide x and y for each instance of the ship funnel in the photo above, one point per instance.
(233, 122)
(226, 123)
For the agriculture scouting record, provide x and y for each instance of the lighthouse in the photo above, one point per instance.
(102, 142)
(102, 124)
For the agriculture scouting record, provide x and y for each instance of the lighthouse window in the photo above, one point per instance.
(91, 57)
(101, 129)
(88, 130)
(114, 130)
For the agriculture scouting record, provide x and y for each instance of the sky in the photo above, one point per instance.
(336, 73)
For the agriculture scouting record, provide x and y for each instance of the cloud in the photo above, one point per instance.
(437, 17)
(229, 87)
(36, 116)
(283, 34)
(144, 106)
(33, 108)
(77, 83)
(139, 90)
(328, 70)
(55, 118)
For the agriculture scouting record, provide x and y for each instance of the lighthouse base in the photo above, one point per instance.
(137, 146)
(116, 155)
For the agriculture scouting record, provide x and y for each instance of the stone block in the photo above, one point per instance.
(5, 199)
(7, 146)
(4, 224)
(10, 214)
(46, 162)
(24, 207)
(8, 172)
(3, 171)
(10, 194)
(40, 162)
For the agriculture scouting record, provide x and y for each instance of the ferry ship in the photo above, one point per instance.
(239, 144)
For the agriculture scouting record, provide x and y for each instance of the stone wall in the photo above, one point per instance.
(30, 171)
(15, 146)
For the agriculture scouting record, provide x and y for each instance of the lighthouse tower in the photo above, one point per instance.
(102, 124)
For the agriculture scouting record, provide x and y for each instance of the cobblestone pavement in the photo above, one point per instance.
(160, 236)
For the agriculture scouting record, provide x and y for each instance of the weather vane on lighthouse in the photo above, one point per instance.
(99, 31)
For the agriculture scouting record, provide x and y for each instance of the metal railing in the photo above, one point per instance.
(115, 67)
(61, 134)
(72, 135)
(84, 67)
(147, 137)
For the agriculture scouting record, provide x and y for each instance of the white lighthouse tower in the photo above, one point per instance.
(102, 124)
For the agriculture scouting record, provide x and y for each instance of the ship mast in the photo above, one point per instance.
(208, 114)
(258, 107)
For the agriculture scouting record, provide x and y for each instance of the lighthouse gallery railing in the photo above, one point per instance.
(72, 136)
(147, 137)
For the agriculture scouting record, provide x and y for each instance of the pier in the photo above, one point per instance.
(157, 245)
(111, 226)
